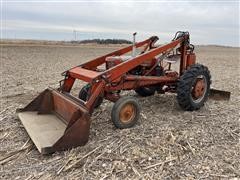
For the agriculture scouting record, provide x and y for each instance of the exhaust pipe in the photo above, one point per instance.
(134, 45)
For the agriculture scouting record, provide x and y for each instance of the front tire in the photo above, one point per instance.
(125, 112)
(193, 87)
(83, 95)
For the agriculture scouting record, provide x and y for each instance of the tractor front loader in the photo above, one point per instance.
(56, 120)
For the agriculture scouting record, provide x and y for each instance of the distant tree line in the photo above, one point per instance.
(104, 41)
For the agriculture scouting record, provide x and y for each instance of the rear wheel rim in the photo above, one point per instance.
(199, 89)
(127, 113)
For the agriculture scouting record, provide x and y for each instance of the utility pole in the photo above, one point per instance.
(75, 35)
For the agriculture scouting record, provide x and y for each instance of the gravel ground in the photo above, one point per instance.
(167, 143)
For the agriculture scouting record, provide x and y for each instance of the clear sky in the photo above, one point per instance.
(209, 22)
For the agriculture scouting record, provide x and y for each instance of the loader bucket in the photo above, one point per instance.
(219, 94)
(55, 122)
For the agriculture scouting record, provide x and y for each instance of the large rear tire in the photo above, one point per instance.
(125, 112)
(193, 87)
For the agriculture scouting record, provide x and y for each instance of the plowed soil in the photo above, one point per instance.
(166, 143)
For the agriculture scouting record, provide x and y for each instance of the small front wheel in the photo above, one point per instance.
(125, 112)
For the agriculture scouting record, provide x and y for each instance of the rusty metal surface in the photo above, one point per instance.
(219, 94)
(134, 81)
(127, 113)
(191, 59)
(199, 89)
(56, 107)
(83, 74)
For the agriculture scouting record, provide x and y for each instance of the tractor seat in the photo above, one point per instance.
(172, 58)
(122, 58)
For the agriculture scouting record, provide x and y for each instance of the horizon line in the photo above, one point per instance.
(71, 41)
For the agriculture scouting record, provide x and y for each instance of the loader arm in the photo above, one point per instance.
(117, 71)
(100, 60)
(99, 79)
(88, 73)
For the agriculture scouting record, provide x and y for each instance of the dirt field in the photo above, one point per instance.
(166, 143)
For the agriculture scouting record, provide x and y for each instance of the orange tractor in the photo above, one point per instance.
(57, 120)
